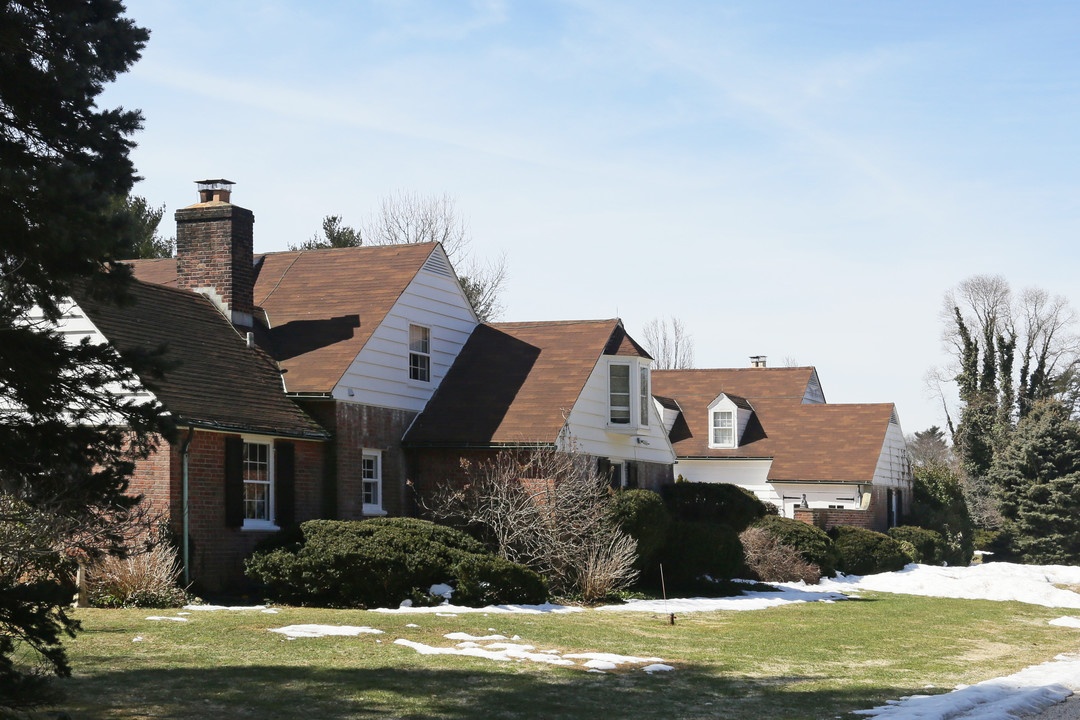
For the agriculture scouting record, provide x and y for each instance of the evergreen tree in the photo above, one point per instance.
(335, 235)
(938, 504)
(1038, 476)
(66, 443)
(144, 219)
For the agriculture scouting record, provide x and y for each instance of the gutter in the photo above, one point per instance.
(185, 446)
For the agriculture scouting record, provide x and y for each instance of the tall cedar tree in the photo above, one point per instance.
(1038, 475)
(66, 444)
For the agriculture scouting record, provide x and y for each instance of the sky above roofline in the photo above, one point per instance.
(802, 180)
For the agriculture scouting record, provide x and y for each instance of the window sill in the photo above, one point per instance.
(624, 429)
(373, 510)
(259, 526)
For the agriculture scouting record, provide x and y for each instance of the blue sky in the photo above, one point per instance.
(800, 179)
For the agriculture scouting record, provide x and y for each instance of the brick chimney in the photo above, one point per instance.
(214, 248)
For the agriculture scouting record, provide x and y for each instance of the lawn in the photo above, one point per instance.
(814, 660)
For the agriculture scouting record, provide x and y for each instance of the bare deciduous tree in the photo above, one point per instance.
(407, 217)
(548, 510)
(670, 345)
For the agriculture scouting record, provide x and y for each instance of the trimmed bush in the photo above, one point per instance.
(697, 549)
(368, 563)
(769, 560)
(928, 545)
(865, 552)
(720, 503)
(490, 580)
(813, 543)
(642, 515)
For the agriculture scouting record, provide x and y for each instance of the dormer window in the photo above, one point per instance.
(727, 418)
(723, 428)
(628, 395)
(619, 394)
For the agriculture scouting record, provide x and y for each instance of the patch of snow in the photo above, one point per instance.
(451, 610)
(467, 636)
(615, 660)
(601, 665)
(660, 667)
(1067, 621)
(1029, 691)
(270, 611)
(495, 651)
(441, 590)
(412, 625)
(163, 617)
(1032, 584)
(183, 613)
(137, 638)
(314, 631)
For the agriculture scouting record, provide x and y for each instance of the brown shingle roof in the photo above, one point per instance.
(514, 383)
(321, 305)
(807, 442)
(213, 380)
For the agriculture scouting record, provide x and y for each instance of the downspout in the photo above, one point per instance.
(185, 446)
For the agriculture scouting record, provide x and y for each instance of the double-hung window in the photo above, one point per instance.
(619, 394)
(643, 395)
(419, 353)
(258, 485)
(371, 477)
(723, 428)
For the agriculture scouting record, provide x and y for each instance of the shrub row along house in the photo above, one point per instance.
(337, 383)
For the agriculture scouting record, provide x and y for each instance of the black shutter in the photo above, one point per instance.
(285, 482)
(234, 482)
(631, 475)
(603, 468)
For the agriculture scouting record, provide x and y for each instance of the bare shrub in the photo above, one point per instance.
(144, 579)
(772, 561)
(547, 510)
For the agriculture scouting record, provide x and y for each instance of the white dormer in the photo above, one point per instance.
(727, 417)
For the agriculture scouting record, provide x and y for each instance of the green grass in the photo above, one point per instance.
(815, 660)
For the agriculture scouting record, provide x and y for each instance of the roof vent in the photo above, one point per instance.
(757, 361)
(219, 190)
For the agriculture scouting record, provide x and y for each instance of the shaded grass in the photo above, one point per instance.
(814, 660)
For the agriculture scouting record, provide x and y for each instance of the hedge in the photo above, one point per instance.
(864, 552)
(720, 503)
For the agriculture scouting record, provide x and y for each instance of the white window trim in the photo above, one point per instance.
(635, 367)
(629, 395)
(368, 508)
(411, 352)
(644, 395)
(252, 523)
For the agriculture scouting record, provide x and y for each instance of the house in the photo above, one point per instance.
(296, 375)
(770, 430)
(582, 385)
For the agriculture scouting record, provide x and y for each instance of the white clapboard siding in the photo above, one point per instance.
(750, 474)
(380, 373)
(893, 466)
(75, 326)
(587, 426)
(814, 394)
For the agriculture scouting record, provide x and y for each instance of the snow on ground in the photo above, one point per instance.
(163, 617)
(506, 652)
(215, 608)
(314, 631)
(1033, 584)
(1029, 691)
(1067, 621)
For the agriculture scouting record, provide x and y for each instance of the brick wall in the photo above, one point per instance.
(214, 249)
(365, 427)
(217, 551)
(871, 518)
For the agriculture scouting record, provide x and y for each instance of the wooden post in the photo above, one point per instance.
(81, 600)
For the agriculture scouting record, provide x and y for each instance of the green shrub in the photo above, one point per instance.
(697, 549)
(491, 580)
(719, 503)
(938, 504)
(864, 552)
(369, 563)
(643, 516)
(929, 546)
(813, 543)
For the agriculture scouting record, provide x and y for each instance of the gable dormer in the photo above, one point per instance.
(727, 417)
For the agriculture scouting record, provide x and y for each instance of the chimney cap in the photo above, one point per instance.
(757, 361)
(217, 184)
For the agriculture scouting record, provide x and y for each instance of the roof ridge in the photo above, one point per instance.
(353, 248)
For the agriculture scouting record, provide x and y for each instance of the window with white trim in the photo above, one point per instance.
(419, 353)
(723, 428)
(643, 395)
(371, 479)
(258, 485)
(619, 394)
